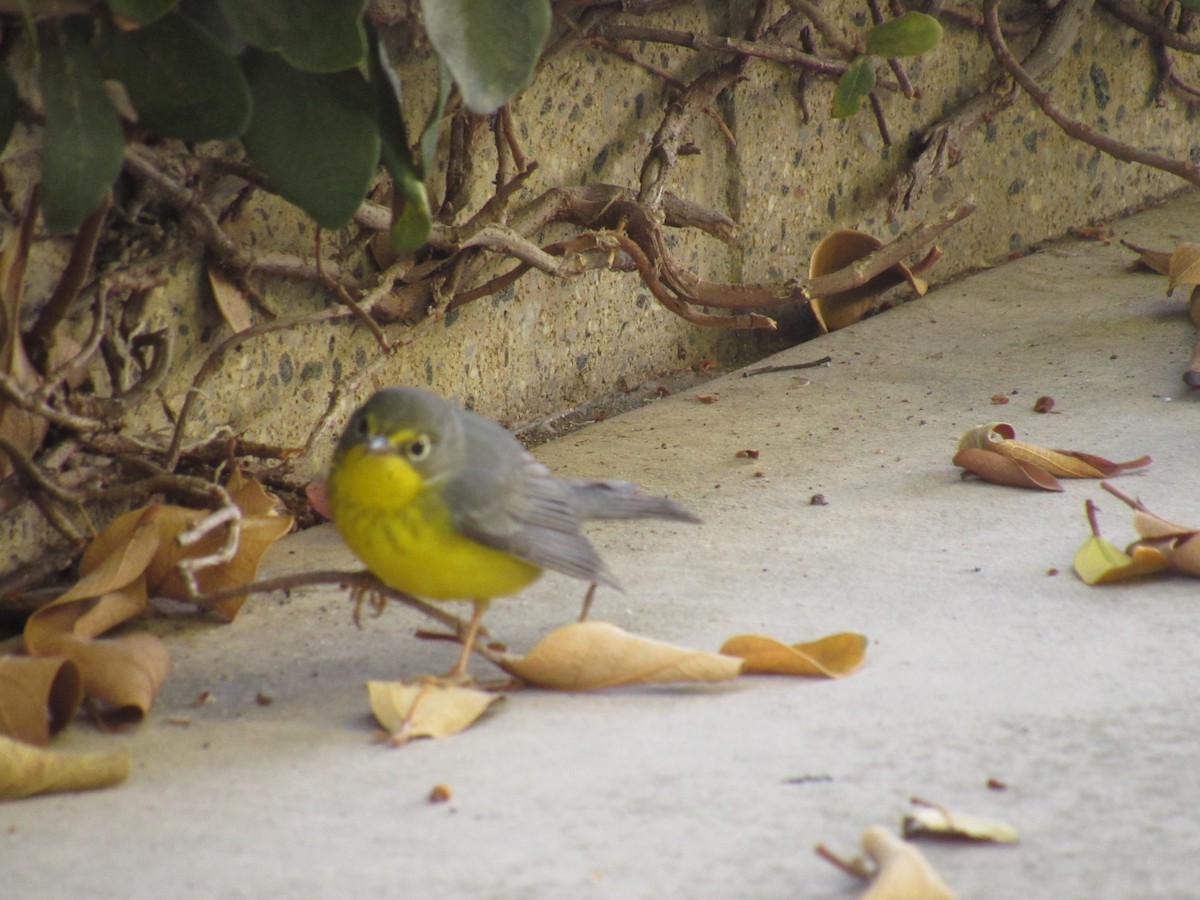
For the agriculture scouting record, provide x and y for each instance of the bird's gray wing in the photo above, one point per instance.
(505, 499)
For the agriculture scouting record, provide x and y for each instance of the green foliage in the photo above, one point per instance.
(911, 34)
(284, 76)
(312, 35)
(314, 135)
(179, 78)
(84, 145)
(490, 46)
(856, 82)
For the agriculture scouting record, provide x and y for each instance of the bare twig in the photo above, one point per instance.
(1074, 128)
(768, 370)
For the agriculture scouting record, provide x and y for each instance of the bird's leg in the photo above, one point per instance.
(587, 602)
(459, 672)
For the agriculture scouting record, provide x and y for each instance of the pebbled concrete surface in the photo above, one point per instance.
(981, 664)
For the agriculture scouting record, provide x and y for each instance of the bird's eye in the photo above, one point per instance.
(362, 427)
(418, 448)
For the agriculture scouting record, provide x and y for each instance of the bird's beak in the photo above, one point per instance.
(378, 445)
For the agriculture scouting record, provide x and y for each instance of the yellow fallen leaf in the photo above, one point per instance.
(832, 656)
(415, 710)
(26, 770)
(904, 873)
(38, 697)
(589, 655)
(1067, 463)
(1099, 561)
(933, 821)
(1184, 266)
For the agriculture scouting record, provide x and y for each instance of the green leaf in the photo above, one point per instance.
(856, 82)
(312, 35)
(8, 106)
(1193, 5)
(141, 11)
(179, 79)
(433, 125)
(490, 46)
(313, 135)
(908, 35)
(84, 144)
(396, 153)
(411, 218)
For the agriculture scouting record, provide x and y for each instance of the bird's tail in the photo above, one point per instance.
(598, 499)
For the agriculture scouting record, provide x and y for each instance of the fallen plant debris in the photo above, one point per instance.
(838, 250)
(157, 550)
(769, 370)
(426, 709)
(833, 656)
(1162, 545)
(1099, 561)
(933, 820)
(26, 770)
(1182, 268)
(992, 453)
(592, 656)
(897, 871)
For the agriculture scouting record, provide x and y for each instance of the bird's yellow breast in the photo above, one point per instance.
(399, 526)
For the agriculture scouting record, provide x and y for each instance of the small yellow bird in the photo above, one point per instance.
(444, 504)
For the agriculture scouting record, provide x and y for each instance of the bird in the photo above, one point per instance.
(444, 504)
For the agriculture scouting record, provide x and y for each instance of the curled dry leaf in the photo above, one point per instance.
(1003, 470)
(25, 770)
(21, 428)
(904, 873)
(1033, 466)
(838, 250)
(830, 657)
(134, 557)
(587, 656)
(38, 697)
(430, 709)
(934, 821)
(1158, 261)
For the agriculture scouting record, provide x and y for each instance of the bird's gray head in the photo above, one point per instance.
(412, 423)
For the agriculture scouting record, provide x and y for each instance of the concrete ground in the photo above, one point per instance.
(982, 665)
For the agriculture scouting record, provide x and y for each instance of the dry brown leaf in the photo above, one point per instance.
(26, 770)
(1184, 266)
(1035, 466)
(136, 555)
(415, 710)
(1003, 470)
(831, 657)
(1151, 526)
(904, 873)
(934, 821)
(588, 656)
(234, 307)
(22, 429)
(38, 697)
(1155, 260)
(838, 250)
